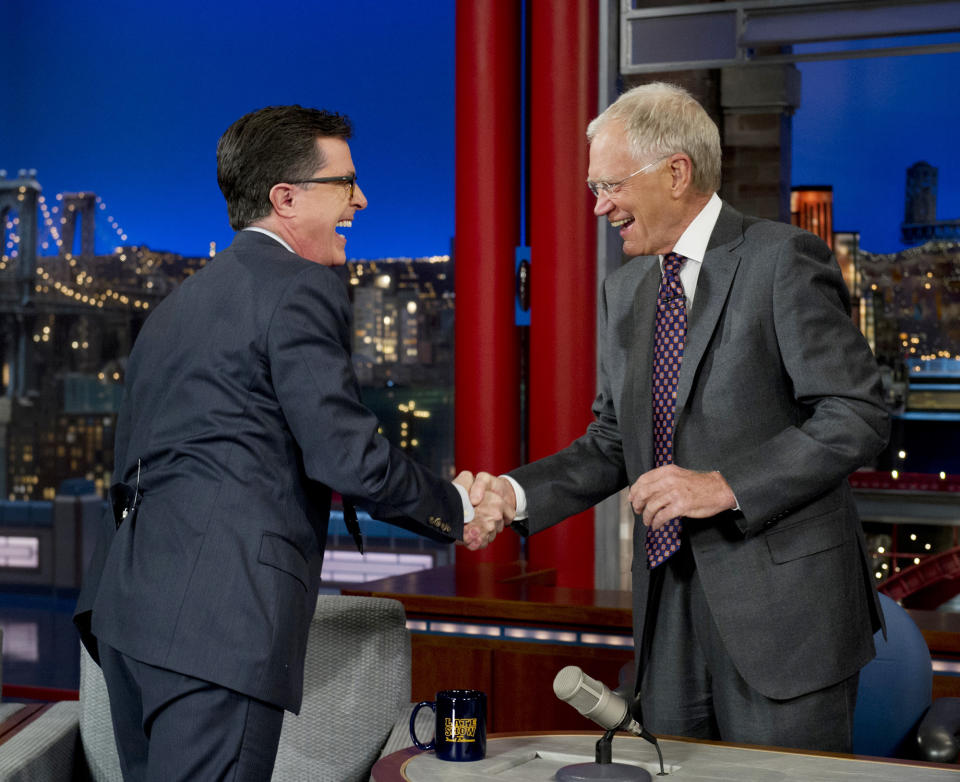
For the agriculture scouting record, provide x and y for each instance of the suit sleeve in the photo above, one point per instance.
(587, 471)
(841, 421)
(312, 374)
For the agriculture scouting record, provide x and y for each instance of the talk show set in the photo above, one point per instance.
(650, 471)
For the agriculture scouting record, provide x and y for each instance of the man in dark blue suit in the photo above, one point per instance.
(242, 414)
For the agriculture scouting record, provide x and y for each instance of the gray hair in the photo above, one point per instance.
(662, 119)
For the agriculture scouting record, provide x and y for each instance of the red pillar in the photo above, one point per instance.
(487, 404)
(563, 90)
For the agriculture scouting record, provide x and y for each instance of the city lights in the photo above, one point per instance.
(403, 336)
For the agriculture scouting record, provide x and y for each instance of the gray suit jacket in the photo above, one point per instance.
(243, 412)
(781, 394)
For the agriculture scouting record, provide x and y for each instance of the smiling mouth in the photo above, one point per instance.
(620, 223)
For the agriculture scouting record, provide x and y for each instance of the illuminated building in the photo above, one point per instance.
(920, 222)
(402, 321)
(811, 208)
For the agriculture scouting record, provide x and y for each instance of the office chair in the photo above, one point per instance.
(896, 688)
(356, 707)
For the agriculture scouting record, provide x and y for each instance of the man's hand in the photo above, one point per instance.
(485, 482)
(670, 491)
(491, 510)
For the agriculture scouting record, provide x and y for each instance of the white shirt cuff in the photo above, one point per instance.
(521, 499)
(467, 507)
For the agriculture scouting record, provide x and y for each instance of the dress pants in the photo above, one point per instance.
(170, 727)
(692, 688)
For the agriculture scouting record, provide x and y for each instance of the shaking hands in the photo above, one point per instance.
(494, 506)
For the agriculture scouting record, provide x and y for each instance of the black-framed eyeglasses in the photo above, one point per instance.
(346, 179)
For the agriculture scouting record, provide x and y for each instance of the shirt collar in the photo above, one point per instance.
(271, 234)
(693, 241)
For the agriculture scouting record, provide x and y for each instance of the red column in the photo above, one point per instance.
(487, 406)
(563, 90)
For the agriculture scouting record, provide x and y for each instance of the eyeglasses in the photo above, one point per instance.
(612, 187)
(347, 179)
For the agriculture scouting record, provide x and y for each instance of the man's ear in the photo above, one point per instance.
(681, 171)
(283, 198)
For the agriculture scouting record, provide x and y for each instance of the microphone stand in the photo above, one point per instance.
(603, 767)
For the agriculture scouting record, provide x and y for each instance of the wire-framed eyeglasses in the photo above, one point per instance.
(612, 187)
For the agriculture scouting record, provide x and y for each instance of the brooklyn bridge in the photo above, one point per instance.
(62, 304)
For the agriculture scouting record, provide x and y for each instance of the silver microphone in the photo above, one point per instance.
(595, 701)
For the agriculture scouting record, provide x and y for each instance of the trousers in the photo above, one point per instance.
(171, 727)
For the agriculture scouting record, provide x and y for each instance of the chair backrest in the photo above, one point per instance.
(96, 728)
(356, 684)
(896, 687)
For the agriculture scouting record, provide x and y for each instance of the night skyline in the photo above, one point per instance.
(135, 117)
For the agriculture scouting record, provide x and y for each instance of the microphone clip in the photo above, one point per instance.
(604, 750)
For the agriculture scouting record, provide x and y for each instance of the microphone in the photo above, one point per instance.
(595, 701)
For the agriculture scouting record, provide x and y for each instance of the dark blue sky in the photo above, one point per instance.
(128, 100)
(863, 122)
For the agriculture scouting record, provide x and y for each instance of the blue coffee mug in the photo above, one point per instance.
(461, 725)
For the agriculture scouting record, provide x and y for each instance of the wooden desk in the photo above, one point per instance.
(507, 595)
(497, 592)
(491, 608)
(535, 757)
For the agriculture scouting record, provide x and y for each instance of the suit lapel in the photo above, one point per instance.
(637, 376)
(713, 285)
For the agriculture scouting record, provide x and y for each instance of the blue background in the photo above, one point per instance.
(128, 100)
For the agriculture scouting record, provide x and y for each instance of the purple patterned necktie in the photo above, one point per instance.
(667, 357)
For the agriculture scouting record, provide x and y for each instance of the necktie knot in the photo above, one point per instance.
(672, 263)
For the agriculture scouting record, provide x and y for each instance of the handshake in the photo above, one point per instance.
(494, 505)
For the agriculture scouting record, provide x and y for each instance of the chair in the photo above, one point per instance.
(356, 706)
(356, 692)
(896, 688)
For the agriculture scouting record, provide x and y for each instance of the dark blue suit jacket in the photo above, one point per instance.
(243, 412)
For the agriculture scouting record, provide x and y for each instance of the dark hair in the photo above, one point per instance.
(271, 145)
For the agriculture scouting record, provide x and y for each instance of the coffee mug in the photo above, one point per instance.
(461, 725)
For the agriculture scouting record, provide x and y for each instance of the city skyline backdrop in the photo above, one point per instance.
(129, 101)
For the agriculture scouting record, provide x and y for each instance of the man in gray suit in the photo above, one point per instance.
(735, 397)
(241, 415)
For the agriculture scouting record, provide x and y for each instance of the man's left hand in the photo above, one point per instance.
(670, 491)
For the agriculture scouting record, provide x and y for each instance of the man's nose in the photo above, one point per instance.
(603, 204)
(359, 199)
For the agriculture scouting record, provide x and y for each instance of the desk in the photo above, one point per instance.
(502, 629)
(507, 597)
(531, 757)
